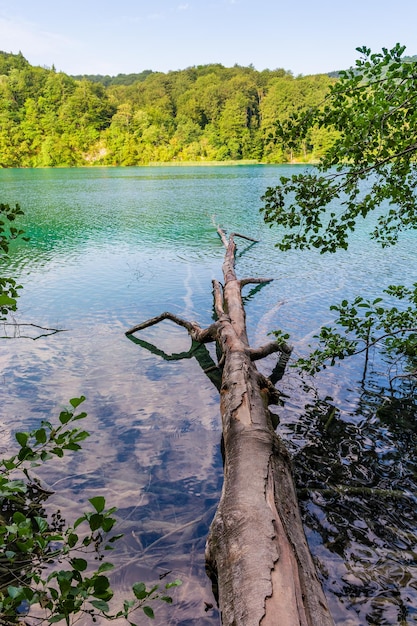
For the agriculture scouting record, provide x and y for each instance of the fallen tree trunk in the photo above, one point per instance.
(257, 554)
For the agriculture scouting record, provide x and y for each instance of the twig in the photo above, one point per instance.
(50, 331)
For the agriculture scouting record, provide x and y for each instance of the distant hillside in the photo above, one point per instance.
(203, 113)
(120, 79)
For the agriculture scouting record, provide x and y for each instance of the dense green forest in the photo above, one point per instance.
(203, 113)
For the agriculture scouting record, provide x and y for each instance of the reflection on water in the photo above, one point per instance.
(357, 485)
(110, 248)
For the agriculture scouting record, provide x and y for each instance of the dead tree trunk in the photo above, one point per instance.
(257, 554)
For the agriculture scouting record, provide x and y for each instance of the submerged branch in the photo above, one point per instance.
(255, 281)
(222, 234)
(351, 490)
(18, 325)
(244, 237)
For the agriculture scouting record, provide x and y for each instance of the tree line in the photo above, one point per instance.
(202, 113)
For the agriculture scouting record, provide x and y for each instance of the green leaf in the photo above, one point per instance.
(101, 605)
(108, 524)
(40, 435)
(79, 521)
(6, 301)
(115, 538)
(98, 503)
(105, 567)
(81, 435)
(74, 402)
(42, 524)
(9, 464)
(19, 518)
(175, 583)
(139, 589)
(24, 453)
(22, 438)
(80, 416)
(95, 521)
(127, 605)
(14, 592)
(64, 417)
(101, 583)
(72, 540)
(148, 612)
(72, 446)
(80, 565)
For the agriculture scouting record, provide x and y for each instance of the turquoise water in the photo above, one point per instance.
(111, 247)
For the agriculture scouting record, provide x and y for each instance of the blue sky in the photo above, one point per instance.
(109, 37)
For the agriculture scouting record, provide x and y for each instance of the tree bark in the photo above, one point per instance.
(256, 553)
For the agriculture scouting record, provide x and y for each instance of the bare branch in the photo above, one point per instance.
(374, 167)
(18, 325)
(196, 332)
(399, 331)
(222, 236)
(244, 237)
(259, 353)
(255, 281)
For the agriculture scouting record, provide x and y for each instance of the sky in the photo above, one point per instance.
(129, 36)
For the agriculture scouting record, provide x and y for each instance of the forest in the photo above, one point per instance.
(200, 114)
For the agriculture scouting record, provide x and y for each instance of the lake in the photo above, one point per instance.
(112, 247)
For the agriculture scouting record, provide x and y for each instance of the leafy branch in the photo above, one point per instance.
(8, 232)
(365, 324)
(30, 543)
(373, 110)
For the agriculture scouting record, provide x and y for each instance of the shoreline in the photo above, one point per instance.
(168, 164)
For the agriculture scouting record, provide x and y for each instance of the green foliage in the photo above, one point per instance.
(285, 98)
(31, 543)
(364, 324)
(369, 168)
(8, 232)
(120, 79)
(280, 337)
(8, 61)
(372, 109)
(207, 112)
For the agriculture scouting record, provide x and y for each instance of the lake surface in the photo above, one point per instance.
(111, 247)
